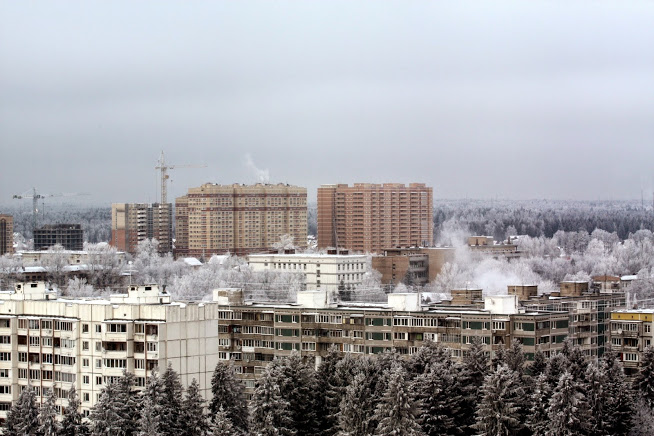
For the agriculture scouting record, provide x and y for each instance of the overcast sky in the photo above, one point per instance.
(483, 99)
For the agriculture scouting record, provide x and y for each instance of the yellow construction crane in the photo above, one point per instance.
(35, 196)
(164, 175)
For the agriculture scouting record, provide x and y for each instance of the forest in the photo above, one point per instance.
(427, 394)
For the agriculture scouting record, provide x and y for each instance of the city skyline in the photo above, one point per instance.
(517, 101)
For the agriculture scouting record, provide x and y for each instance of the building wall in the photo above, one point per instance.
(6, 234)
(321, 272)
(132, 223)
(216, 219)
(424, 263)
(70, 236)
(631, 332)
(371, 217)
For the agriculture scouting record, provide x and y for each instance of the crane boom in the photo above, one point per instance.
(164, 174)
(35, 196)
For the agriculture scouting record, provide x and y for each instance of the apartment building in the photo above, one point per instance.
(321, 271)
(132, 223)
(414, 266)
(56, 343)
(74, 257)
(370, 217)
(6, 234)
(239, 219)
(487, 246)
(69, 236)
(631, 332)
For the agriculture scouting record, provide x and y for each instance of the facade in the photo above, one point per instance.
(321, 271)
(631, 332)
(412, 266)
(239, 219)
(486, 245)
(51, 343)
(132, 223)
(70, 236)
(74, 257)
(370, 217)
(6, 234)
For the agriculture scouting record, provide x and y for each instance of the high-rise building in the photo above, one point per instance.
(240, 219)
(132, 223)
(6, 234)
(70, 236)
(371, 217)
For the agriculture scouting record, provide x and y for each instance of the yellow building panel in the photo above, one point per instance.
(632, 316)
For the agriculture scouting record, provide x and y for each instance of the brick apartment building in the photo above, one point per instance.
(132, 223)
(240, 219)
(6, 234)
(372, 217)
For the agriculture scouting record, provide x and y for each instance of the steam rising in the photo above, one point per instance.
(263, 176)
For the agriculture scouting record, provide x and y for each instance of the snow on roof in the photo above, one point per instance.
(192, 261)
(310, 255)
(629, 277)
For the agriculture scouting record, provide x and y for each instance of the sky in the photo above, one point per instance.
(493, 99)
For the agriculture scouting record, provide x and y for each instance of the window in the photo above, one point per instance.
(85, 363)
(98, 346)
(5, 339)
(139, 328)
(35, 341)
(4, 373)
(46, 342)
(98, 380)
(5, 389)
(139, 364)
(87, 397)
(85, 345)
(46, 358)
(616, 341)
(152, 346)
(630, 357)
(117, 328)
(98, 363)
(222, 342)
(85, 328)
(46, 325)
(98, 328)
(22, 373)
(499, 325)
(5, 356)
(86, 379)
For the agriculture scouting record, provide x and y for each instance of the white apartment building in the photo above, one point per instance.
(54, 343)
(322, 272)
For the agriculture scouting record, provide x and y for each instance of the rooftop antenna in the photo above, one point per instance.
(164, 174)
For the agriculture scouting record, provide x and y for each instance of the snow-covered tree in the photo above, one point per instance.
(222, 425)
(642, 420)
(105, 415)
(397, 410)
(227, 393)
(172, 416)
(475, 367)
(515, 357)
(442, 406)
(539, 365)
(357, 408)
(568, 411)
(55, 264)
(48, 424)
(537, 420)
(499, 411)
(429, 354)
(617, 400)
(194, 418)
(286, 242)
(152, 407)
(78, 287)
(270, 411)
(128, 401)
(23, 418)
(298, 385)
(72, 423)
(327, 381)
(644, 381)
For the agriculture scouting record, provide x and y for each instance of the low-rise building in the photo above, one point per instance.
(411, 266)
(486, 245)
(327, 272)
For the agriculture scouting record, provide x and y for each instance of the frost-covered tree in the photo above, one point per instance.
(194, 417)
(72, 423)
(556, 366)
(55, 264)
(499, 412)
(617, 400)
(286, 242)
(78, 287)
(105, 267)
(539, 365)
(642, 420)
(298, 385)
(443, 409)
(150, 423)
(23, 418)
(430, 353)
(568, 411)
(227, 393)
(172, 416)
(270, 411)
(644, 381)
(128, 400)
(397, 410)
(105, 416)
(537, 420)
(327, 381)
(48, 424)
(515, 357)
(357, 408)
(475, 367)
(222, 425)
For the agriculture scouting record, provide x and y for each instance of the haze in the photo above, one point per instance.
(477, 99)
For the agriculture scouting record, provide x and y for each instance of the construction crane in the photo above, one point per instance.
(164, 174)
(35, 196)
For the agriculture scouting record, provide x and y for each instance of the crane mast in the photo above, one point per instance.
(163, 168)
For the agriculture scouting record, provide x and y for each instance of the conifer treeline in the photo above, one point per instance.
(426, 394)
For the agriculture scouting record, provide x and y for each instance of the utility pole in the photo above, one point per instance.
(164, 175)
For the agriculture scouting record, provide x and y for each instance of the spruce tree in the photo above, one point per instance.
(475, 367)
(222, 425)
(227, 392)
(556, 366)
(539, 365)
(194, 417)
(128, 402)
(617, 400)
(568, 411)
(442, 407)
(644, 381)
(327, 382)
(172, 412)
(344, 372)
(298, 385)
(72, 424)
(23, 418)
(429, 353)
(271, 414)
(498, 412)
(515, 357)
(150, 422)
(105, 415)
(538, 421)
(642, 420)
(48, 424)
(357, 409)
(397, 410)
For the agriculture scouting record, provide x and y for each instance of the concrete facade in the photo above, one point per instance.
(240, 219)
(132, 223)
(370, 217)
(321, 271)
(417, 265)
(70, 236)
(631, 332)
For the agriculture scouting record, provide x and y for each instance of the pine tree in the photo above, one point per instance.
(644, 381)
(172, 412)
(48, 424)
(271, 414)
(194, 418)
(357, 408)
(152, 407)
(396, 412)
(23, 418)
(499, 410)
(595, 396)
(105, 415)
(227, 392)
(538, 421)
(568, 410)
(222, 425)
(442, 408)
(72, 423)
(298, 385)
(499, 358)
